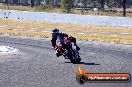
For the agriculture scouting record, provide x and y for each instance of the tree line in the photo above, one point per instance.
(110, 3)
(68, 4)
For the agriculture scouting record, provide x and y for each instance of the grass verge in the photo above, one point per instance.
(20, 8)
(25, 33)
(104, 38)
(27, 24)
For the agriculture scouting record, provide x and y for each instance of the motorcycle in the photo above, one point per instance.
(69, 51)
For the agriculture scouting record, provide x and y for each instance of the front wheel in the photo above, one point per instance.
(74, 56)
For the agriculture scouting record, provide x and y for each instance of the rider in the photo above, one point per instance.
(55, 33)
(61, 37)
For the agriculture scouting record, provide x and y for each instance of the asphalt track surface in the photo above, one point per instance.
(35, 64)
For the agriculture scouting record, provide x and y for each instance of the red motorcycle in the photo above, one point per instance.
(68, 50)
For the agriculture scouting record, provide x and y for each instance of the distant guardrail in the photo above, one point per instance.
(66, 18)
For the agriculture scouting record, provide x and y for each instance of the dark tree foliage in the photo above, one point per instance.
(66, 5)
(32, 3)
(84, 3)
(102, 4)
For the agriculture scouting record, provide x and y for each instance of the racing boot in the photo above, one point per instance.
(58, 53)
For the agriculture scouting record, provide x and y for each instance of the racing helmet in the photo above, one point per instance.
(55, 30)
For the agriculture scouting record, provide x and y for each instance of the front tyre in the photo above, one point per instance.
(74, 56)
